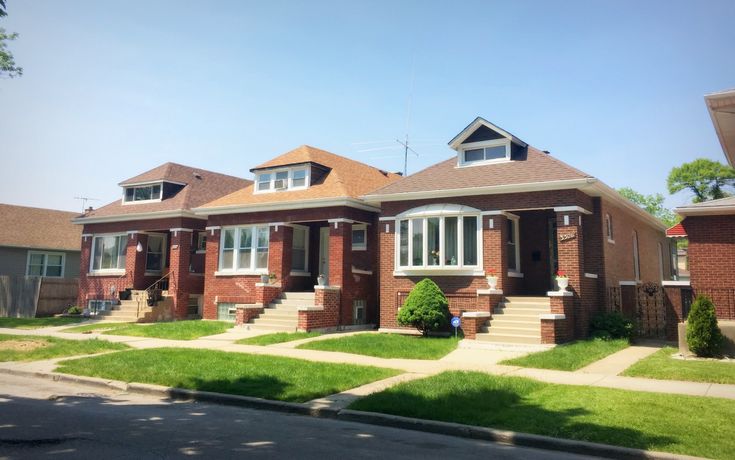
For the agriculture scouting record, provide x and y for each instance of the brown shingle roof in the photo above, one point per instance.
(536, 167)
(25, 227)
(346, 179)
(201, 187)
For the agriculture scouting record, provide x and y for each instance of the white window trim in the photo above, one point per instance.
(516, 273)
(636, 258)
(105, 271)
(305, 271)
(609, 232)
(200, 236)
(45, 255)
(289, 187)
(457, 270)
(363, 246)
(236, 246)
(483, 145)
(164, 246)
(154, 200)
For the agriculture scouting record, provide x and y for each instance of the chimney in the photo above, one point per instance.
(88, 210)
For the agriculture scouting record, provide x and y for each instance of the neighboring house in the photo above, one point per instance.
(301, 218)
(150, 238)
(38, 242)
(679, 255)
(39, 261)
(501, 205)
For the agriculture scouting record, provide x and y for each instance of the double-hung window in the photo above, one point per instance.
(282, 180)
(244, 249)
(108, 253)
(449, 240)
(485, 152)
(50, 264)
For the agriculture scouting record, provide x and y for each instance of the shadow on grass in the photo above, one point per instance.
(255, 386)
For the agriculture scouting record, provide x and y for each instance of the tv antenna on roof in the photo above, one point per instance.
(84, 201)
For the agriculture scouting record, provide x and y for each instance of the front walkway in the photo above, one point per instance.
(465, 359)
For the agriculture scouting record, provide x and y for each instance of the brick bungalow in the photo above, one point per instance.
(501, 205)
(269, 242)
(150, 238)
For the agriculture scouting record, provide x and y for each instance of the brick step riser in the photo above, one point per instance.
(297, 296)
(508, 339)
(268, 327)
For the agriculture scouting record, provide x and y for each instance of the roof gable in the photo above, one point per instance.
(482, 130)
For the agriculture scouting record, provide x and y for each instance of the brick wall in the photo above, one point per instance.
(329, 300)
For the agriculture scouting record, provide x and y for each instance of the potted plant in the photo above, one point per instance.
(434, 256)
(492, 278)
(321, 280)
(562, 280)
(272, 278)
(264, 278)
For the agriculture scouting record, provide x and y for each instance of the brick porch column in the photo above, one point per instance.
(494, 254)
(135, 261)
(179, 258)
(211, 265)
(340, 265)
(570, 240)
(279, 253)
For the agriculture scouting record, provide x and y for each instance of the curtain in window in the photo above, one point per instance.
(245, 253)
(403, 246)
(417, 256)
(228, 248)
(109, 252)
(262, 256)
(298, 249)
(451, 256)
(154, 255)
(432, 239)
(35, 265)
(469, 235)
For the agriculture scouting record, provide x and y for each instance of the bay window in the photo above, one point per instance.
(244, 249)
(108, 253)
(439, 241)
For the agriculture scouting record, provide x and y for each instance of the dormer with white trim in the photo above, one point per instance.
(483, 143)
(281, 179)
(150, 192)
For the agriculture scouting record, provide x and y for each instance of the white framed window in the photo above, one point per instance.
(143, 193)
(513, 246)
(609, 228)
(439, 238)
(282, 180)
(300, 249)
(358, 311)
(636, 260)
(109, 253)
(244, 250)
(48, 264)
(485, 152)
(201, 242)
(155, 257)
(359, 237)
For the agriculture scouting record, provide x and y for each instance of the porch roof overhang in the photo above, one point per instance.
(721, 107)
(285, 206)
(138, 216)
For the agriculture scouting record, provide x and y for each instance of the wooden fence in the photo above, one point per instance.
(31, 296)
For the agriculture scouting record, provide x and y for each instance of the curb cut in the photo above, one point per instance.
(512, 438)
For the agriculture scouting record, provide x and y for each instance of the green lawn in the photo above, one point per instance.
(672, 423)
(34, 348)
(388, 345)
(269, 377)
(177, 330)
(36, 323)
(277, 337)
(571, 356)
(661, 365)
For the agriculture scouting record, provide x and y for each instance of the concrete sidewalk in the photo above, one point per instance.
(461, 359)
(616, 363)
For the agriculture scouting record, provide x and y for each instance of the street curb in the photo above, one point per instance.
(371, 418)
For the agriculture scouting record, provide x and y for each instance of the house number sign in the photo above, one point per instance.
(567, 236)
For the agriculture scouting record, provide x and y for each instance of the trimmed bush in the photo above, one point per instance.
(426, 308)
(611, 326)
(703, 334)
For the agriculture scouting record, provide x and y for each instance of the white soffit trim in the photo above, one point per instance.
(472, 127)
(597, 188)
(705, 210)
(140, 216)
(283, 206)
(572, 209)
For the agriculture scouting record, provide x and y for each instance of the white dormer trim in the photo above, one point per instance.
(461, 161)
(140, 185)
(456, 143)
(289, 180)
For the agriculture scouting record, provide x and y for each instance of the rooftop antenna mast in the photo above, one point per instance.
(406, 148)
(84, 200)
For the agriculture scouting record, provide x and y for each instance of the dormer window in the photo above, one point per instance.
(141, 193)
(484, 152)
(282, 180)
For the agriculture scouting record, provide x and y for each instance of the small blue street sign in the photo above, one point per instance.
(455, 321)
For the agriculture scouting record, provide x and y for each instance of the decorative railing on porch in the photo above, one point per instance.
(154, 293)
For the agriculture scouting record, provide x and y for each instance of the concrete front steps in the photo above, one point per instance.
(133, 310)
(282, 315)
(515, 320)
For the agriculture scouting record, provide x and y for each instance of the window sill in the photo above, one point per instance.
(107, 273)
(439, 271)
(297, 273)
(359, 248)
(515, 274)
(241, 273)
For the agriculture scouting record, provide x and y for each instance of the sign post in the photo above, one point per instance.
(455, 324)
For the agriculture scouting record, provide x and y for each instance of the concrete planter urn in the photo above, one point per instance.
(563, 282)
(492, 281)
(321, 280)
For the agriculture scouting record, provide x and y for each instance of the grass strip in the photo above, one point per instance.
(661, 365)
(34, 348)
(37, 323)
(277, 337)
(176, 330)
(388, 345)
(571, 356)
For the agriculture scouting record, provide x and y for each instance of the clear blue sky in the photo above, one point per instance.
(112, 89)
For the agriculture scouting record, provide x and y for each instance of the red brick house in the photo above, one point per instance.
(502, 205)
(150, 239)
(302, 217)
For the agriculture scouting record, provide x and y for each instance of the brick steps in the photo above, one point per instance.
(283, 313)
(515, 320)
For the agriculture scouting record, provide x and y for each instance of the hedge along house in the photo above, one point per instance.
(501, 206)
(150, 245)
(269, 242)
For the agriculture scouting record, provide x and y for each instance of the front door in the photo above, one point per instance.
(553, 253)
(324, 252)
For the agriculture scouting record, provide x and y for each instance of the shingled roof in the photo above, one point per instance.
(201, 186)
(346, 178)
(39, 228)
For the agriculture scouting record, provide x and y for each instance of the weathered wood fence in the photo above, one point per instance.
(31, 296)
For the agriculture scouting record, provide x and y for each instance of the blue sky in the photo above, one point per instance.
(112, 89)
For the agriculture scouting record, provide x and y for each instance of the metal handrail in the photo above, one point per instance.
(152, 286)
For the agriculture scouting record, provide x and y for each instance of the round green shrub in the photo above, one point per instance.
(703, 334)
(426, 308)
(610, 326)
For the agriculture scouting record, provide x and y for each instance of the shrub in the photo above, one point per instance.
(610, 326)
(703, 335)
(74, 310)
(426, 308)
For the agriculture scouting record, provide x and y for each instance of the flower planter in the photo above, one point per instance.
(492, 281)
(264, 279)
(563, 283)
(321, 280)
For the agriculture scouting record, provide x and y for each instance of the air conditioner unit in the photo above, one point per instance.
(280, 184)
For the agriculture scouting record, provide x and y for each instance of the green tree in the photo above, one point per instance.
(705, 178)
(653, 204)
(703, 334)
(426, 308)
(7, 61)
